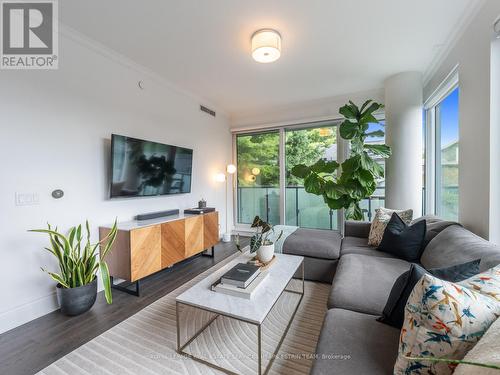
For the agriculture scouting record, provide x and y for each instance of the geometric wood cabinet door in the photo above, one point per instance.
(145, 257)
(210, 229)
(194, 235)
(173, 242)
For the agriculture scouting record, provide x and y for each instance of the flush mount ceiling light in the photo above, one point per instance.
(266, 45)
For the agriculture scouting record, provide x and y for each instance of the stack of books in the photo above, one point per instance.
(240, 281)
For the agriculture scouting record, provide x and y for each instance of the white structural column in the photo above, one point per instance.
(403, 116)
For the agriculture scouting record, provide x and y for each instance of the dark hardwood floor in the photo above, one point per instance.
(33, 346)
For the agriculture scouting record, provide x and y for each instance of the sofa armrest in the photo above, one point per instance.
(359, 229)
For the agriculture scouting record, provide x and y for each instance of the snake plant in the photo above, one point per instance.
(78, 258)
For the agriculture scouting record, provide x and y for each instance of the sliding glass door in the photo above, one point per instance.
(306, 146)
(266, 187)
(258, 187)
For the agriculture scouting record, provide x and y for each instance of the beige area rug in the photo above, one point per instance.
(145, 343)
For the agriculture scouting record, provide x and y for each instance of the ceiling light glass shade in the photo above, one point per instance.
(231, 168)
(266, 46)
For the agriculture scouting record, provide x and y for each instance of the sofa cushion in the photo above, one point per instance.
(355, 245)
(355, 343)
(402, 240)
(359, 229)
(442, 320)
(363, 283)
(487, 350)
(486, 283)
(382, 217)
(316, 243)
(435, 226)
(394, 310)
(455, 245)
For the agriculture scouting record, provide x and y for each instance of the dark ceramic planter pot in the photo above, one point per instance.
(75, 301)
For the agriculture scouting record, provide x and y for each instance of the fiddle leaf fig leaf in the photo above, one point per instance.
(376, 133)
(353, 212)
(358, 175)
(348, 130)
(312, 184)
(380, 150)
(323, 166)
(348, 111)
(301, 170)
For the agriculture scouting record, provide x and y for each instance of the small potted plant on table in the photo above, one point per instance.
(78, 264)
(262, 241)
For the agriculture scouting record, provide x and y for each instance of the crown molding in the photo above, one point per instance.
(465, 20)
(116, 57)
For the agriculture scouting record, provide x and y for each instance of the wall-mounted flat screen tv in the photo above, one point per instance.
(141, 168)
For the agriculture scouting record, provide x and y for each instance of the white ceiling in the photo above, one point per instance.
(329, 47)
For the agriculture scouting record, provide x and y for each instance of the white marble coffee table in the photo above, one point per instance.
(253, 311)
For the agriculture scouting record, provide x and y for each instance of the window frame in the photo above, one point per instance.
(342, 154)
(432, 142)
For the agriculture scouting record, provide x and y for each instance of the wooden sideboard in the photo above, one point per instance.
(142, 248)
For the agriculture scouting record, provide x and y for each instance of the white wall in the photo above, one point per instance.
(472, 52)
(403, 119)
(315, 110)
(55, 132)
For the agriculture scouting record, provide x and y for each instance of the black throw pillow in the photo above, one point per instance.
(394, 310)
(403, 241)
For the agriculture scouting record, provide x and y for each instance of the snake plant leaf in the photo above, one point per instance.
(106, 282)
(57, 278)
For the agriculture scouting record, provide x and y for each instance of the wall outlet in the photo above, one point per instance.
(27, 199)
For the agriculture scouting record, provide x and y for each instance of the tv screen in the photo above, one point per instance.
(141, 168)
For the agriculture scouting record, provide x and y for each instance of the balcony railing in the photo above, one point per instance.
(301, 208)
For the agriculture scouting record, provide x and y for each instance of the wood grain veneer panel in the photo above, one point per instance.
(118, 258)
(194, 235)
(145, 248)
(210, 229)
(173, 242)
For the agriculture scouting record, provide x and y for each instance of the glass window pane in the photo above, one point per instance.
(258, 177)
(377, 199)
(447, 157)
(306, 146)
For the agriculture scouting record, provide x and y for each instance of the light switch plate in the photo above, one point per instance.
(27, 199)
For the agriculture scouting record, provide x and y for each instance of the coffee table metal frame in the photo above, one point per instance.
(180, 348)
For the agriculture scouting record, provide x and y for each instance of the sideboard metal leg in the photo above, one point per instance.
(125, 288)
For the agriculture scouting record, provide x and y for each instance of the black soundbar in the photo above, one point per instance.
(154, 215)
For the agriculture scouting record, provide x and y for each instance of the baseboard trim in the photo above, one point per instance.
(27, 312)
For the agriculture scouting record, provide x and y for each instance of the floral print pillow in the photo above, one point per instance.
(382, 217)
(442, 320)
(487, 283)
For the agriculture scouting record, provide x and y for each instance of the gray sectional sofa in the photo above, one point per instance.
(351, 340)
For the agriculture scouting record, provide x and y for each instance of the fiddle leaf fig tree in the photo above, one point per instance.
(345, 185)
